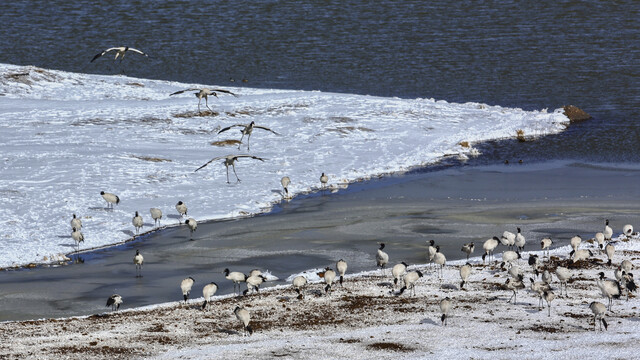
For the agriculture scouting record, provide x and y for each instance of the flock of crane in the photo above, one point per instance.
(609, 288)
(515, 242)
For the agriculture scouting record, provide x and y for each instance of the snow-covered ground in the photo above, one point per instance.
(363, 320)
(66, 136)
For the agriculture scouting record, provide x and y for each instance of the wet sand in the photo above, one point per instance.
(452, 206)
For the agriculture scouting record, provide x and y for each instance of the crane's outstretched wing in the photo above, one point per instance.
(104, 52)
(181, 91)
(224, 91)
(138, 51)
(265, 128)
(250, 156)
(210, 161)
(229, 127)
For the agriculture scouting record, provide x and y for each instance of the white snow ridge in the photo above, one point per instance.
(65, 137)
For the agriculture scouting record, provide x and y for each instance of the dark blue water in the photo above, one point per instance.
(532, 55)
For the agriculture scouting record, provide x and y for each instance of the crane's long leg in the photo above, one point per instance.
(248, 140)
(227, 172)
(199, 101)
(234, 171)
(206, 103)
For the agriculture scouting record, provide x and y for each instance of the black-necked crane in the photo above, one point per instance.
(534, 261)
(299, 283)
(489, 246)
(324, 179)
(608, 232)
(539, 287)
(120, 52)
(609, 288)
(520, 241)
(110, 198)
(253, 283)
(575, 242)
(242, 315)
(465, 271)
(185, 286)
(138, 260)
(514, 284)
(563, 274)
(114, 301)
(618, 273)
(431, 251)
(76, 222)
(204, 93)
(229, 160)
(546, 276)
(207, 292)
(78, 237)
(247, 129)
(599, 310)
(410, 280)
(626, 265)
(583, 254)
(285, 181)
(341, 266)
(627, 230)
(181, 208)
(549, 296)
(439, 259)
(382, 258)
(329, 277)
(235, 276)
(445, 307)
(510, 256)
(508, 239)
(193, 225)
(514, 270)
(468, 249)
(255, 272)
(628, 283)
(156, 215)
(545, 245)
(397, 271)
(610, 250)
(600, 240)
(137, 222)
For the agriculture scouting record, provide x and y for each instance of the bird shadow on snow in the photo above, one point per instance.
(449, 286)
(174, 217)
(279, 192)
(385, 284)
(228, 332)
(128, 232)
(64, 236)
(100, 208)
(428, 321)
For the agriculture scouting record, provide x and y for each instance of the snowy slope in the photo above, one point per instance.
(65, 137)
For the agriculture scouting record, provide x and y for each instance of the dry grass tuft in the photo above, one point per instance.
(520, 135)
(229, 142)
(149, 158)
(190, 114)
(389, 347)
(464, 144)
